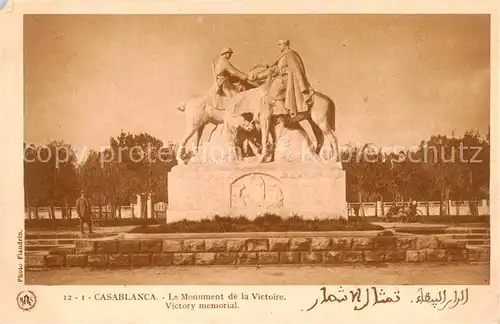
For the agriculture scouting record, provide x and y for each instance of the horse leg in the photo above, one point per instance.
(265, 115)
(318, 134)
(305, 125)
(332, 139)
(185, 138)
(265, 121)
(305, 122)
(323, 115)
(199, 133)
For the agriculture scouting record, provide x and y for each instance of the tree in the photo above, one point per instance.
(441, 169)
(50, 177)
(140, 165)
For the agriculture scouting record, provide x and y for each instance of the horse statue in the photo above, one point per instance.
(320, 116)
(204, 109)
(201, 111)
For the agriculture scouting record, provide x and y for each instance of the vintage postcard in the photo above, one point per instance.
(214, 162)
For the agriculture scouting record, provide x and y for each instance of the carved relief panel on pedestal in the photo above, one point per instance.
(255, 191)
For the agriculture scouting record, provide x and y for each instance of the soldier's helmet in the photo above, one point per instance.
(283, 41)
(226, 50)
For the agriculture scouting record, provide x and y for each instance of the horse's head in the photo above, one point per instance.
(259, 74)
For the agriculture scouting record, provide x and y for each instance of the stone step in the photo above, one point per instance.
(467, 236)
(64, 236)
(31, 242)
(467, 230)
(48, 247)
(476, 242)
(480, 230)
(477, 226)
(43, 253)
(478, 247)
(68, 249)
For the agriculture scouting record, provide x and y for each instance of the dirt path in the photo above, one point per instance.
(388, 274)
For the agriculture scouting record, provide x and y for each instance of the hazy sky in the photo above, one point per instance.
(396, 79)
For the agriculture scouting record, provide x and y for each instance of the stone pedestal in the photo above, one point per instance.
(308, 189)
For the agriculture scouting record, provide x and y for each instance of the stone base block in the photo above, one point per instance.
(35, 261)
(311, 190)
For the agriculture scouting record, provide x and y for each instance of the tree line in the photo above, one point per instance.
(439, 169)
(132, 165)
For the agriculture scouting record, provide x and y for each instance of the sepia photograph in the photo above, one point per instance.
(256, 149)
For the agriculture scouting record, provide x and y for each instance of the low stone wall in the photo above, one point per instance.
(116, 253)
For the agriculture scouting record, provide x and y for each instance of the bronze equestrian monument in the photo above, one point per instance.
(272, 147)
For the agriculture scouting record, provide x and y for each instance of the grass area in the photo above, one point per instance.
(267, 222)
(264, 223)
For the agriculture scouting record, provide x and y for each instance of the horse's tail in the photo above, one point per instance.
(330, 105)
(331, 113)
(181, 106)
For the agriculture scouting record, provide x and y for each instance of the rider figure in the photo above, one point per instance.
(227, 75)
(292, 85)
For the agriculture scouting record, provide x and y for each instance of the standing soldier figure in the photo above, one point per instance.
(84, 211)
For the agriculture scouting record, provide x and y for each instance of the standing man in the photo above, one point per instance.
(84, 212)
(227, 75)
(292, 85)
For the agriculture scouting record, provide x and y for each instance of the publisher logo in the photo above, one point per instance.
(26, 300)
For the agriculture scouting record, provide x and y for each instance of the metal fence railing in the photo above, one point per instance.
(134, 211)
(426, 208)
(370, 209)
